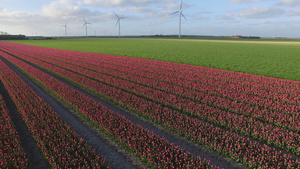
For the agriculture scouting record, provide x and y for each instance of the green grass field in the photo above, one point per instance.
(280, 59)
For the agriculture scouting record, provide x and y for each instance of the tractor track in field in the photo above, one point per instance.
(196, 150)
(35, 157)
(113, 154)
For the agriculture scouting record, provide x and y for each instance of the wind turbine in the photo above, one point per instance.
(85, 24)
(119, 22)
(66, 28)
(180, 14)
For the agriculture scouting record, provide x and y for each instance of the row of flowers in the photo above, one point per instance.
(237, 101)
(178, 70)
(60, 145)
(225, 142)
(230, 88)
(224, 87)
(257, 127)
(175, 67)
(12, 154)
(212, 87)
(150, 148)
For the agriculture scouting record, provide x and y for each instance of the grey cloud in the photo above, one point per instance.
(261, 12)
(295, 12)
(289, 3)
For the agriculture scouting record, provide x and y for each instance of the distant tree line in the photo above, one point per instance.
(3, 33)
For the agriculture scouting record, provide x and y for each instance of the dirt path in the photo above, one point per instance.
(196, 150)
(110, 152)
(33, 153)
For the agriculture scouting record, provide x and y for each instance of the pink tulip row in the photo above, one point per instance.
(175, 67)
(151, 148)
(268, 133)
(237, 147)
(253, 106)
(199, 76)
(238, 94)
(60, 145)
(234, 91)
(171, 67)
(185, 72)
(224, 87)
(12, 154)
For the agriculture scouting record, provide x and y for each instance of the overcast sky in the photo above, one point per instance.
(266, 18)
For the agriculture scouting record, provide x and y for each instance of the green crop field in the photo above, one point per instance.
(280, 59)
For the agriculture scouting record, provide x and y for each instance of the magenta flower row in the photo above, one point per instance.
(151, 148)
(12, 154)
(60, 145)
(189, 72)
(233, 145)
(249, 123)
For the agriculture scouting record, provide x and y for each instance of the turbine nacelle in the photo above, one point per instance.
(66, 28)
(119, 22)
(85, 24)
(180, 15)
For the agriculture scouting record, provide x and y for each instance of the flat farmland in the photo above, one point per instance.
(148, 103)
(273, 58)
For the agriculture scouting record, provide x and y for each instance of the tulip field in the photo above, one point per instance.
(251, 121)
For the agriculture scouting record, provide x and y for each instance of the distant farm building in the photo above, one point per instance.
(12, 37)
(244, 37)
(237, 37)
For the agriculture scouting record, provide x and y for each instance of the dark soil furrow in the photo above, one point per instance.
(33, 153)
(196, 150)
(113, 154)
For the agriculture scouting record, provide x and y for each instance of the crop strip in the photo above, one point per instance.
(113, 154)
(12, 154)
(284, 138)
(60, 145)
(221, 139)
(256, 97)
(149, 147)
(135, 61)
(288, 120)
(195, 149)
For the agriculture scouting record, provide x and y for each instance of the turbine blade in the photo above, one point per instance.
(183, 16)
(174, 13)
(118, 22)
(181, 5)
(116, 14)
(83, 25)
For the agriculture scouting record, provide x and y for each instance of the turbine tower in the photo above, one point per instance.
(66, 28)
(119, 22)
(85, 24)
(180, 14)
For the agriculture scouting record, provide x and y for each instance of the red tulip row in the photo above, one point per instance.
(216, 85)
(12, 154)
(256, 102)
(236, 101)
(151, 148)
(196, 74)
(234, 86)
(60, 145)
(268, 133)
(172, 68)
(237, 147)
